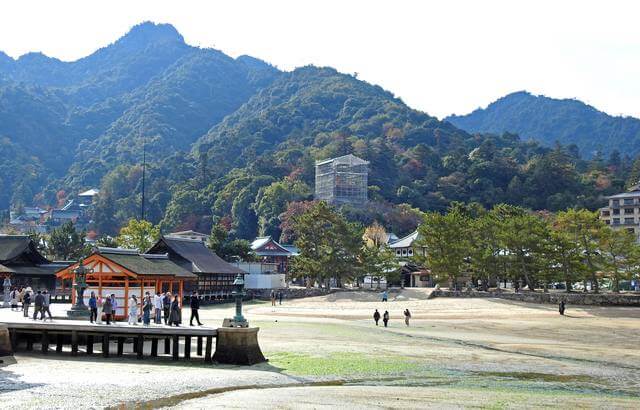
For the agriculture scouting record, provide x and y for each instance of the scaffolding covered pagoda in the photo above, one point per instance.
(342, 180)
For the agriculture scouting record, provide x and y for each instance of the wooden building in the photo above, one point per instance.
(125, 272)
(215, 276)
(25, 265)
(268, 250)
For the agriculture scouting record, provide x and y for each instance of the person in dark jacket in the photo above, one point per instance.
(93, 307)
(195, 305)
(46, 306)
(26, 302)
(280, 297)
(166, 307)
(176, 316)
(561, 308)
(38, 303)
(107, 309)
(385, 318)
(147, 307)
(376, 316)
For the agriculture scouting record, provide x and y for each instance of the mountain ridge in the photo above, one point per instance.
(569, 121)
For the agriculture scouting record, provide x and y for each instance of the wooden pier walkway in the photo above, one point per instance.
(77, 334)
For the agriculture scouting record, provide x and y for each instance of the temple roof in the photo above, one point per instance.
(203, 259)
(13, 246)
(144, 264)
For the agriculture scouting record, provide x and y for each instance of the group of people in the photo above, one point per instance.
(276, 296)
(385, 317)
(165, 307)
(41, 301)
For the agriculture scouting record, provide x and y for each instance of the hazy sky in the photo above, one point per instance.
(441, 57)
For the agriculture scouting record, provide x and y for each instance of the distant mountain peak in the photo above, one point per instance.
(149, 32)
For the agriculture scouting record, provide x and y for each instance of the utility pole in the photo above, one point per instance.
(144, 166)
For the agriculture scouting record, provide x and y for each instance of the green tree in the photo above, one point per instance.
(329, 245)
(619, 254)
(523, 239)
(229, 249)
(585, 229)
(272, 201)
(563, 255)
(486, 250)
(138, 234)
(67, 243)
(446, 240)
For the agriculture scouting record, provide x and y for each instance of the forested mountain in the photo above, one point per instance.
(233, 142)
(549, 120)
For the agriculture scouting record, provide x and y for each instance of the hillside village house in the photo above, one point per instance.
(21, 261)
(214, 275)
(623, 211)
(125, 272)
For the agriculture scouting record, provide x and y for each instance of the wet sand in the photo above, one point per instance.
(456, 353)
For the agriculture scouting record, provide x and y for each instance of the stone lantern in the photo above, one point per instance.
(238, 294)
(79, 309)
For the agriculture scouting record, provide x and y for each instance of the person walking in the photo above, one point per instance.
(45, 305)
(176, 316)
(114, 307)
(561, 308)
(38, 302)
(93, 307)
(195, 305)
(385, 318)
(99, 304)
(107, 308)
(166, 307)
(385, 296)
(26, 302)
(147, 307)
(14, 299)
(157, 306)
(133, 310)
(280, 297)
(407, 316)
(273, 297)
(376, 316)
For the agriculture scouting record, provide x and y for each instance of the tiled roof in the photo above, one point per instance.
(405, 242)
(144, 264)
(202, 258)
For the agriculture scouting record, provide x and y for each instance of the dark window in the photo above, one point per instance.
(608, 222)
(616, 212)
(628, 201)
(628, 220)
(616, 221)
(606, 213)
(628, 211)
(616, 202)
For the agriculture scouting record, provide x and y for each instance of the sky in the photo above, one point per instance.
(441, 57)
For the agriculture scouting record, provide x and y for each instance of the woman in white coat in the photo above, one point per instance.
(133, 310)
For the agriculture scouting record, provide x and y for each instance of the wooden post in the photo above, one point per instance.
(120, 346)
(45, 342)
(199, 346)
(140, 349)
(74, 343)
(126, 296)
(14, 339)
(187, 347)
(180, 289)
(99, 279)
(167, 348)
(176, 347)
(89, 344)
(154, 347)
(105, 345)
(59, 343)
(207, 352)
